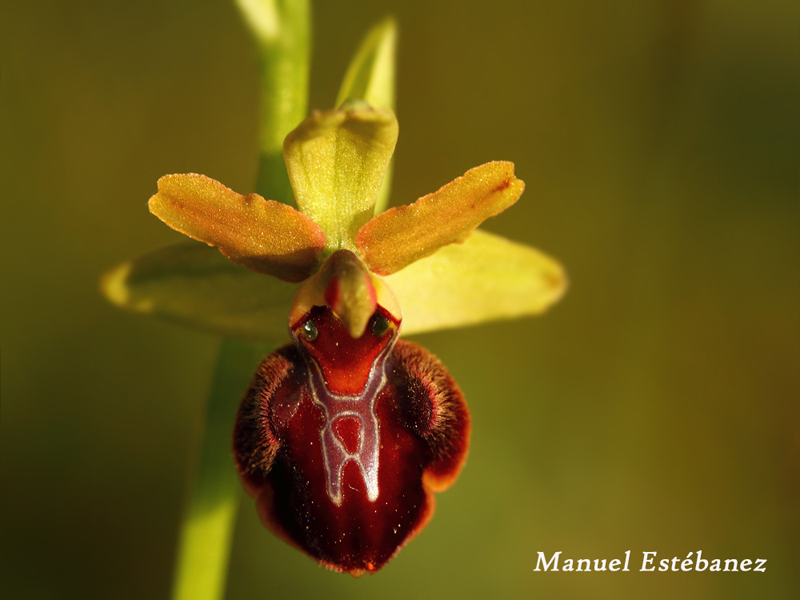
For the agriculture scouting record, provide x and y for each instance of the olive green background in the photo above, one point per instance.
(654, 409)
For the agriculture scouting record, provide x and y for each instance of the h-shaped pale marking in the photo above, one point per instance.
(362, 407)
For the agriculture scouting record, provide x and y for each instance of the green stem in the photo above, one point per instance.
(281, 31)
(207, 526)
(284, 49)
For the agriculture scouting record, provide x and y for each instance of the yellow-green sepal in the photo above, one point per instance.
(194, 284)
(336, 162)
(487, 277)
(371, 77)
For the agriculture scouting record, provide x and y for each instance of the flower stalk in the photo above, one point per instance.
(207, 528)
(281, 30)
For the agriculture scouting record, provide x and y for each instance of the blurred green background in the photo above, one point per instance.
(654, 409)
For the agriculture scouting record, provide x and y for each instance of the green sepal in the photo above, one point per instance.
(194, 284)
(486, 278)
(371, 77)
(336, 162)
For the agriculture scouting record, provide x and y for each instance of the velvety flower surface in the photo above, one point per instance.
(343, 440)
(346, 432)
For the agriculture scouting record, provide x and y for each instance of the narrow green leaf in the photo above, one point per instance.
(371, 74)
(371, 77)
(487, 277)
(194, 284)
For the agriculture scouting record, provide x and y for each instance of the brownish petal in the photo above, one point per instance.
(263, 235)
(402, 235)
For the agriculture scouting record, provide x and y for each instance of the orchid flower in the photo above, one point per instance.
(345, 432)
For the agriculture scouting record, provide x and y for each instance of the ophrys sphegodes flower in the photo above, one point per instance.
(345, 433)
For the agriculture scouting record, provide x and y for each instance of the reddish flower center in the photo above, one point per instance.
(345, 376)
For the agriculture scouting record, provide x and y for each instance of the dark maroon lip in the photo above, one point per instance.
(343, 445)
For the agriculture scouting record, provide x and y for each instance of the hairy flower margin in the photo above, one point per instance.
(346, 383)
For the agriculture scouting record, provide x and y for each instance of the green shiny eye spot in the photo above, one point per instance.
(380, 325)
(309, 330)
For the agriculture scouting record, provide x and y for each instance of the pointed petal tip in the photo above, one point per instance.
(371, 74)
